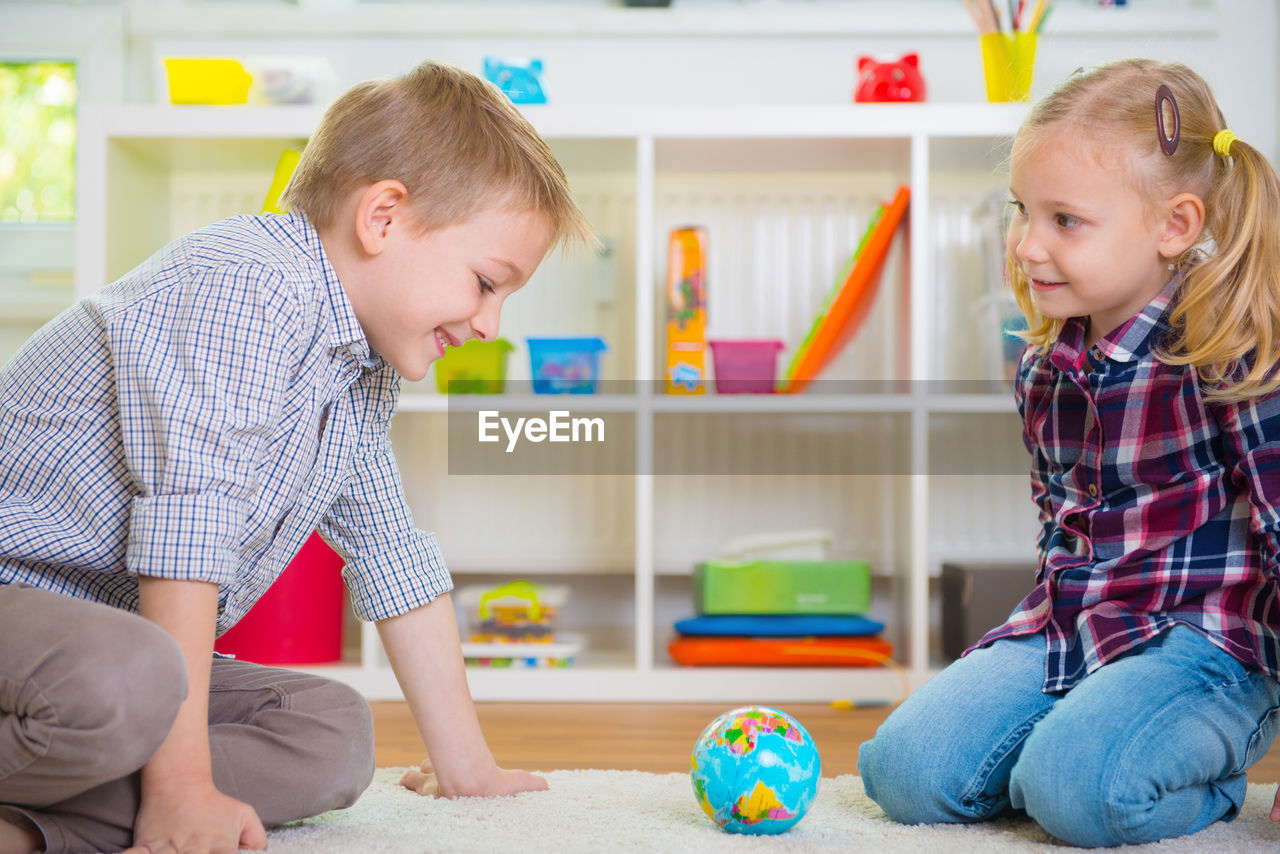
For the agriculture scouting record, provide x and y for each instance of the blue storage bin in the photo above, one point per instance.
(565, 365)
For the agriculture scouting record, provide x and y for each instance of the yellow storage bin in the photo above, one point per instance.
(207, 81)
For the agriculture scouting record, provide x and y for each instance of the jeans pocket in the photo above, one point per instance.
(1262, 737)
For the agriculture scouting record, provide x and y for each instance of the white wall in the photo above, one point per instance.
(723, 51)
(699, 51)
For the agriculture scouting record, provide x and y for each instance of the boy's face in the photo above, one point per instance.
(1082, 235)
(443, 288)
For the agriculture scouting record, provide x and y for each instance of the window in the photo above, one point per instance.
(37, 142)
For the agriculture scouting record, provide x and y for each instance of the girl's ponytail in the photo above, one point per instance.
(1228, 318)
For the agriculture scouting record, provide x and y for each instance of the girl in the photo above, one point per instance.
(1126, 696)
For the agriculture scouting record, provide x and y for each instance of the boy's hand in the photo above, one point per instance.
(195, 817)
(423, 780)
(426, 655)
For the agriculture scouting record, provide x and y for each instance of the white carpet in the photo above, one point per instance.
(613, 811)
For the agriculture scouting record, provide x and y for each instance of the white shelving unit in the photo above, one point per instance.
(911, 454)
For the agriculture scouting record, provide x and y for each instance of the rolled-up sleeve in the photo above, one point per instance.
(392, 567)
(192, 537)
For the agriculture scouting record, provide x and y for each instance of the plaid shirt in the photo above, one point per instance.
(1156, 508)
(197, 419)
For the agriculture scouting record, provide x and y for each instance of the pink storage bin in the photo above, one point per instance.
(745, 366)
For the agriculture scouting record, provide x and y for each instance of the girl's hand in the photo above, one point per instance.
(1275, 808)
(424, 781)
(195, 817)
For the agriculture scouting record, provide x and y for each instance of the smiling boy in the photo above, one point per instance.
(167, 445)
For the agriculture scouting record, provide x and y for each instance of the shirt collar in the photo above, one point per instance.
(344, 329)
(1127, 342)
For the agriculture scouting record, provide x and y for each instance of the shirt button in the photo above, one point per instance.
(1097, 354)
(1093, 491)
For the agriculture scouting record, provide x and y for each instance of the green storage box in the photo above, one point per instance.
(782, 587)
(477, 367)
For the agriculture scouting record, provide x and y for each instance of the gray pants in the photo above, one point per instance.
(88, 692)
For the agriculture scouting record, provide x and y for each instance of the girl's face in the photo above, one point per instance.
(1082, 235)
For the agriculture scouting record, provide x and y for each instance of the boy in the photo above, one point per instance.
(167, 445)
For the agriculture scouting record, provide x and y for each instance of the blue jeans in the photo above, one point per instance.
(1152, 745)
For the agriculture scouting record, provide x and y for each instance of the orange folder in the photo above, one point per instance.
(853, 302)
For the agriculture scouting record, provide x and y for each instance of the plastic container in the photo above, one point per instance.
(559, 653)
(746, 366)
(477, 367)
(515, 625)
(291, 79)
(299, 619)
(207, 81)
(518, 612)
(565, 365)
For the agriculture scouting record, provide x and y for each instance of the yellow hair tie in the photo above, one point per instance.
(1222, 142)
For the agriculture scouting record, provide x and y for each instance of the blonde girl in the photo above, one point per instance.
(1126, 696)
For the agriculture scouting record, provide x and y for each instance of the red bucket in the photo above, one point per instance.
(299, 620)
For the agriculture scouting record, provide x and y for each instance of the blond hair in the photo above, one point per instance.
(1226, 314)
(455, 141)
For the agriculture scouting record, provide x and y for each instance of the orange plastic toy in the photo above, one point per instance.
(827, 652)
(853, 302)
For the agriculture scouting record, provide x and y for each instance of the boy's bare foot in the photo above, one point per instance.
(15, 839)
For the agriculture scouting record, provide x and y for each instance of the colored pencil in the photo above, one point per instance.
(983, 15)
(1045, 9)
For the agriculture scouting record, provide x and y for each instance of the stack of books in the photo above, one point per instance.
(788, 613)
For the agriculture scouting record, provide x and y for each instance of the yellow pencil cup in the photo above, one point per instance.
(207, 81)
(1008, 59)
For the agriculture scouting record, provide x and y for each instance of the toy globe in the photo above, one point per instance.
(755, 770)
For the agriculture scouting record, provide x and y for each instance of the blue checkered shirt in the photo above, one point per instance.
(197, 419)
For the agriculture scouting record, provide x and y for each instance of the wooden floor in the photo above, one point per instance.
(641, 737)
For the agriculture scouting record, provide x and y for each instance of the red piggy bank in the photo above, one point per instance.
(889, 81)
